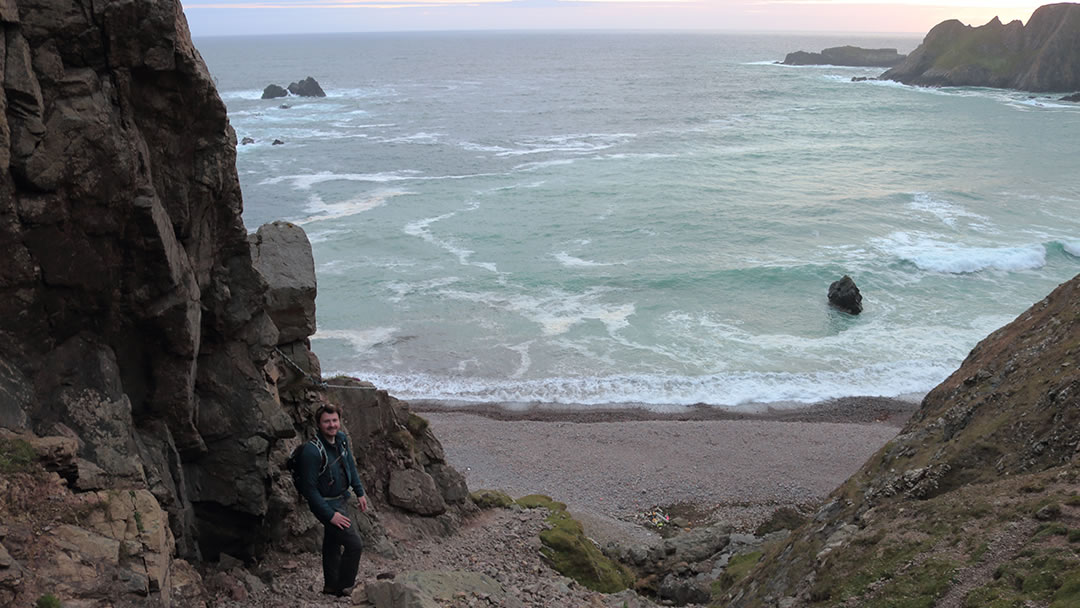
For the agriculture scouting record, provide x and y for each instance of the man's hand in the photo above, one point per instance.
(362, 502)
(340, 520)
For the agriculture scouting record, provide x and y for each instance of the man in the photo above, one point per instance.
(326, 488)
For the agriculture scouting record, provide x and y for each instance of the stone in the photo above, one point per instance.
(274, 91)
(277, 142)
(450, 482)
(415, 491)
(281, 252)
(6, 561)
(1075, 97)
(247, 141)
(429, 589)
(307, 87)
(845, 295)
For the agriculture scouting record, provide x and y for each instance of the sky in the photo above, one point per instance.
(246, 17)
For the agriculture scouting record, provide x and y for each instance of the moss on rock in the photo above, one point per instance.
(571, 553)
(491, 499)
(16, 456)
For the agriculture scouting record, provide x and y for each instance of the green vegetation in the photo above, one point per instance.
(47, 601)
(1039, 574)
(416, 424)
(784, 518)
(736, 570)
(571, 553)
(16, 456)
(403, 439)
(918, 587)
(491, 499)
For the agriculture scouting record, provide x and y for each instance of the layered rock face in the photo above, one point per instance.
(137, 318)
(1044, 55)
(970, 499)
(130, 313)
(848, 56)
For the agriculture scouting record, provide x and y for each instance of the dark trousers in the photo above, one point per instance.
(341, 550)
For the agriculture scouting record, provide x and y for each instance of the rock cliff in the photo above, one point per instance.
(1044, 55)
(975, 500)
(141, 324)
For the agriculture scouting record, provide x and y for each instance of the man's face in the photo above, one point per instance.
(329, 425)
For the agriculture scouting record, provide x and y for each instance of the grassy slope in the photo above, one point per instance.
(951, 504)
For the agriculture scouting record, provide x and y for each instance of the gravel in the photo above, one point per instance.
(613, 471)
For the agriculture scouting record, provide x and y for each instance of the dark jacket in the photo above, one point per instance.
(329, 490)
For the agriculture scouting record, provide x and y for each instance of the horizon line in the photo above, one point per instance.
(583, 30)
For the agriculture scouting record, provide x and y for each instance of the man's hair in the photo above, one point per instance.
(327, 408)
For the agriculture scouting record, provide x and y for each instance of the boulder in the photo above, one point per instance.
(277, 142)
(282, 254)
(415, 491)
(847, 56)
(450, 482)
(1075, 97)
(274, 91)
(307, 87)
(843, 294)
(246, 141)
(431, 589)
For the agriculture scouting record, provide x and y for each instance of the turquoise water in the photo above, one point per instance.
(596, 219)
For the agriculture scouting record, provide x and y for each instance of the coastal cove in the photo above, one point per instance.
(657, 225)
(596, 266)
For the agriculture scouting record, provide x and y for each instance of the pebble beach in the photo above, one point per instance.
(611, 467)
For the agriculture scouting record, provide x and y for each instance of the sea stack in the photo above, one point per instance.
(843, 294)
(273, 91)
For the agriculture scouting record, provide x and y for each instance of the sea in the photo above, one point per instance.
(633, 219)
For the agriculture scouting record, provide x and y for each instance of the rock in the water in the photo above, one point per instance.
(277, 142)
(844, 295)
(847, 56)
(281, 253)
(1044, 55)
(274, 91)
(1074, 97)
(307, 87)
(246, 141)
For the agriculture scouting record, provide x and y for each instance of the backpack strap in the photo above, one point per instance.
(322, 454)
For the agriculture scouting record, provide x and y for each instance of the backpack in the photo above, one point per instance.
(292, 463)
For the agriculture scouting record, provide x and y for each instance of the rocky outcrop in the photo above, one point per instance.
(845, 295)
(953, 506)
(131, 316)
(281, 253)
(273, 91)
(847, 56)
(142, 333)
(307, 87)
(1044, 55)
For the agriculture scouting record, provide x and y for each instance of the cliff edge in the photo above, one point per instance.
(1044, 55)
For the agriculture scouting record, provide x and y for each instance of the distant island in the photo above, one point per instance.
(847, 56)
(1043, 56)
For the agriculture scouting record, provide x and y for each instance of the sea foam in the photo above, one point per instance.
(952, 258)
(665, 390)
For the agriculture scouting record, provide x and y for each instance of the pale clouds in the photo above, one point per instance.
(224, 17)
